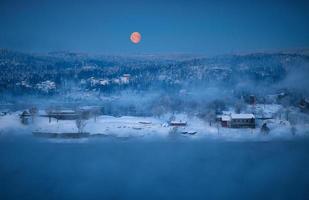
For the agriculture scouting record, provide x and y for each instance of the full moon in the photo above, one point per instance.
(135, 37)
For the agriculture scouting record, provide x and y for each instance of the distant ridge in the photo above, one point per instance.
(155, 56)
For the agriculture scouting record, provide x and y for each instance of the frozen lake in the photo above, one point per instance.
(33, 168)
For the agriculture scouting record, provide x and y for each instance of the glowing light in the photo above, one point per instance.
(135, 37)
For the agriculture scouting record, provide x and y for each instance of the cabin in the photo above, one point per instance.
(127, 76)
(238, 121)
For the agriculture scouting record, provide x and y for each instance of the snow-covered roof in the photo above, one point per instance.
(226, 118)
(226, 112)
(90, 107)
(242, 116)
(178, 122)
(63, 111)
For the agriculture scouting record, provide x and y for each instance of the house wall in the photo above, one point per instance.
(243, 123)
(224, 124)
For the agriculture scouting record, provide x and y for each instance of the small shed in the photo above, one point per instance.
(25, 117)
(178, 123)
(225, 121)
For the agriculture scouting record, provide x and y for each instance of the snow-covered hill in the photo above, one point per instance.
(146, 71)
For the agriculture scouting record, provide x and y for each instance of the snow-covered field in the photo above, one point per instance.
(131, 126)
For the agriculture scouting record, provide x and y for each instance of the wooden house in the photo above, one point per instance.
(238, 121)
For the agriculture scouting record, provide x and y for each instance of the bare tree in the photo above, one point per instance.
(211, 116)
(279, 113)
(173, 131)
(33, 111)
(49, 111)
(24, 117)
(157, 110)
(216, 105)
(265, 129)
(287, 114)
(80, 124)
(240, 106)
(96, 113)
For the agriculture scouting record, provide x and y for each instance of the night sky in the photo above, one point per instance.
(167, 26)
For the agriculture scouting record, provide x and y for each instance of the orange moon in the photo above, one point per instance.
(135, 37)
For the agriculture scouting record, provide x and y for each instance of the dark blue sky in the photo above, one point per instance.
(167, 26)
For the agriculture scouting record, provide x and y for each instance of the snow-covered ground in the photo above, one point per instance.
(265, 110)
(129, 126)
